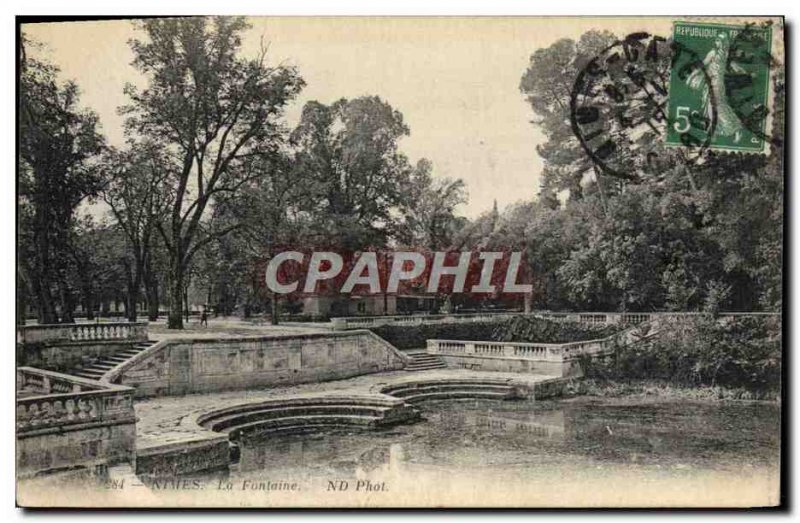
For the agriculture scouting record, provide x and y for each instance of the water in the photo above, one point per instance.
(507, 434)
(582, 452)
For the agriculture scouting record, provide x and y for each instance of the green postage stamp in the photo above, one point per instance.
(719, 86)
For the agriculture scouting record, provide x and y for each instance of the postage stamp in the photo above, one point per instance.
(734, 75)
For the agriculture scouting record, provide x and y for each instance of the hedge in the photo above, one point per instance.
(517, 328)
(744, 352)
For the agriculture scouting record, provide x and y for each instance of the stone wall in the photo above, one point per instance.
(526, 366)
(65, 422)
(180, 366)
(202, 454)
(66, 355)
(86, 447)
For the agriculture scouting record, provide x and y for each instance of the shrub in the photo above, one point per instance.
(539, 330)
(416, 336)
(745, 352)
(516, 328)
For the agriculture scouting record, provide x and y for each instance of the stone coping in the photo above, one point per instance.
(270, 337)
(161, 344)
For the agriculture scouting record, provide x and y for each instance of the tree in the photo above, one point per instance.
(137, 201)
(429, 218)
(57, 142)
(270, 211)
(101, 263)
(211, 110)
(547, 84)
(349, 153)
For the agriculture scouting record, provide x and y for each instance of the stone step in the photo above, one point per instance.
(89, 369)
(302, 429)
(405, 393)
(425, 367)
(99, 367)
(457, 395)
(324, 419)
(442, 381)
(102, 365)
(272, 413)
(426, 364)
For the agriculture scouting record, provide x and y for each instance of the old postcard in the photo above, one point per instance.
(400, 262)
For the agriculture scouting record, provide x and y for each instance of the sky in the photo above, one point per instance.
(455, 80)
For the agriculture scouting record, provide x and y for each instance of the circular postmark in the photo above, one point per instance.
(746, 84)
(618, 105)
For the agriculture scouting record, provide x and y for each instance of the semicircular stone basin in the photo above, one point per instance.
(390, 405)
(440, 389)
(309, 413)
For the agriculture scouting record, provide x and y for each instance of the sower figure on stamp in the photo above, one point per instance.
(728, 123)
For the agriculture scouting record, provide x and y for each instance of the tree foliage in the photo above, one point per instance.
(212, 110)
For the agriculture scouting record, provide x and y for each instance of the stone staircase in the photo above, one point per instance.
(421, 360)
(306, 414)
(439, 389)
(99, 367)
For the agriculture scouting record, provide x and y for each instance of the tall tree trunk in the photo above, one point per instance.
(22, 300)
(152, 300)
(45, 308)
(175, 318)
(41, 280)
(67, 300)
(88, 303)
(133, 298)
(186, 301)
(135, 286)
(150, 290)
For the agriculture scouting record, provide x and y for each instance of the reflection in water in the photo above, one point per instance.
(490, 435)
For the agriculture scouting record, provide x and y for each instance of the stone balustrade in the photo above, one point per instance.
(50, 399)
(82, 332)
(66, 422)
(553, 352)
(498, 349)
(361, 322)
(591, 318)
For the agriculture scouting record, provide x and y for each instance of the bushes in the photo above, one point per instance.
(745, 352)
(538, 330)
(517, 328)
(415, 336)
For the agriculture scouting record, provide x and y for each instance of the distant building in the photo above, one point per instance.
(369, 305)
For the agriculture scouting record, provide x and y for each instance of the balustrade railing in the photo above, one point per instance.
(72, 332)
(359, 322)
(588, 318)
(51, 399)
(498, 349)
